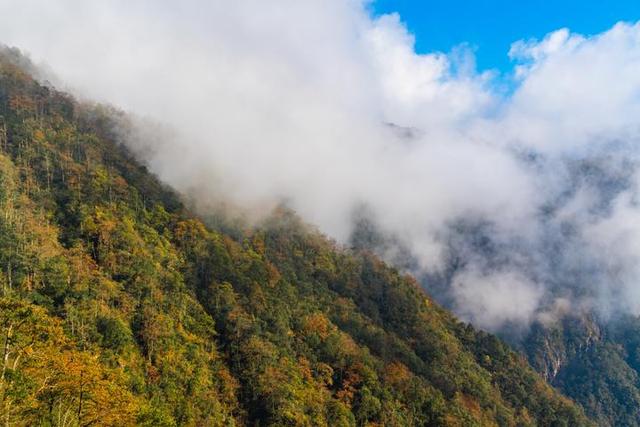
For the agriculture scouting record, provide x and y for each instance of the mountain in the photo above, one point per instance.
(589, 355)
(594, 361)
(119, 306)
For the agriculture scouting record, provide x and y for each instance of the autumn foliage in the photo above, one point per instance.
(120, 307)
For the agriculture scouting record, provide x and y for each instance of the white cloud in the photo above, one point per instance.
(292, 100)
(495, 299)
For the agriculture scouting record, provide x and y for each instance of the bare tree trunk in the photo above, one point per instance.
(5, 353)
(3, 134)
(81, 395)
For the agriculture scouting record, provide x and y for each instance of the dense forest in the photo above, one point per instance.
(118, 306)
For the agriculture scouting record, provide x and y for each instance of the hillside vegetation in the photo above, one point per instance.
(120, 307)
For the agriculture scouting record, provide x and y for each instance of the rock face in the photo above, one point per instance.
(594, 361)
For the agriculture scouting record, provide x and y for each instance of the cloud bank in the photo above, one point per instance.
(507, 203)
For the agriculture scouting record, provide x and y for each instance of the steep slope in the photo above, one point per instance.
(119, 307)
(595, 362)
(591, 355)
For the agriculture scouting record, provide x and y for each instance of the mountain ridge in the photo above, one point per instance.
(121, 307)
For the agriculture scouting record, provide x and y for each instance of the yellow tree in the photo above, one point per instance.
(44, 377)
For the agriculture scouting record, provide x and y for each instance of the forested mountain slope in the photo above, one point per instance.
(595, 361)
(119, 307)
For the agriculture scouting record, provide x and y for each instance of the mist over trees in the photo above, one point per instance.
(201, 296)
(119, 307)
(323, 107)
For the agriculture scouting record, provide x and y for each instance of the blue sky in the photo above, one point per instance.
(490, 26)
